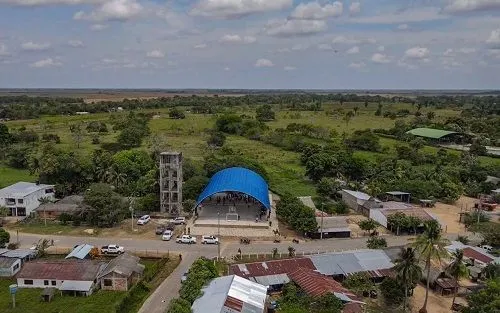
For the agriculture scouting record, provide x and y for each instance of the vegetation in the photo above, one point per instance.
(393, 291)
(293, 300)
(430, 246)
(4, 237)
(457, 269)
(408, 272)
(376, 242)
(358, 282)
(296, 214)
(486, 300)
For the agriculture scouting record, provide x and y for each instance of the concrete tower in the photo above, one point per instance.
(171, 182)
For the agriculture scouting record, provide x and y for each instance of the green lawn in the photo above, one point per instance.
(28, 301)
(10, 175)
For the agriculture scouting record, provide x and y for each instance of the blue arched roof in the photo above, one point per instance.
(237, 179)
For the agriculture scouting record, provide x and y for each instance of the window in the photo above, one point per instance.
(16, 266)
(108, 282)
(20, 201)
(21, 211)
(45, 282)
(28, 282)
(50, 190)
(10, 201)
(53, 283)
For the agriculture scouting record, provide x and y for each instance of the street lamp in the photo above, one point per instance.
(131, 208)
(218, 233)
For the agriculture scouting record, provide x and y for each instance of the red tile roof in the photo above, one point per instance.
(271, 267)
(476, 255)
(83, 270)
(316, 284)
(234, 304)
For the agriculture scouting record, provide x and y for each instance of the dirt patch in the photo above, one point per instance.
(450, 213)
(436, 303)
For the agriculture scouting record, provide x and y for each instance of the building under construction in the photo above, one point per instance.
(171, 182)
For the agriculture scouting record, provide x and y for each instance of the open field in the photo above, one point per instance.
(10, 175)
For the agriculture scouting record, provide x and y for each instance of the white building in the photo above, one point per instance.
(232, 294)
(9, 266)
(22, 198)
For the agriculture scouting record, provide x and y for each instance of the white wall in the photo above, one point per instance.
(379, 217)
(14, 268)
(38, 283)
(350, 200)
(30, 202)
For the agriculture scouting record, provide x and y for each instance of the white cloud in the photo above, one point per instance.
(403, 26)
(49, 62)
(352, 41)
(264, 63)
(353, 50)
(463, 6)
(112, 10)
(3, 50)
(380, 58)
(237, 39)
(355, 8)
(417, 53)
(201, 46)
(467, 50)
(289, 68)
(289, 28)
(494, 40)
(156, 54)
(407, 65)
(237, 8)
(407, 16)
(314, 10)
(48, 2)
(98, 27)
(227, 69)
(75, 43)
(357, 65)
(325, 47)
(449, 53)
(32, 46)
(381, 48)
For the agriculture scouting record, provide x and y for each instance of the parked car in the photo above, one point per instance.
(180, 220)
(186, 239)
(112, 249)
(143, 220)
(160, 229)
(209, 240)
(487, 248)
(167, 235)
(184, 277)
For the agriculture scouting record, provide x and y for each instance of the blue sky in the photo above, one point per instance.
(351, 44)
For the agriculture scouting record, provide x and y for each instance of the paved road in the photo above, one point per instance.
(169, 288)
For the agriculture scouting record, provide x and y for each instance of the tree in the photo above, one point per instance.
(348, 117)
(393, 291)
(463, 239)
(77, 132)
(457, 269)
(179, 305)
(291, 251)
(327, 303)
(379, 110)
(486, 300)
(216, 139)
(275, 252)
(176, 114)
(492, 271)
(105, 207)
(413, 222)
(376, 242)
(188, 205)
(194, 186)
(328, 187)
(430, 246)
(368, 224)
(397, 221)
(408, 271)
(4, 237)
(265, 113)
(229, 123)
(42, 245)
(477, 148)
(5, 136)
(431, 115)
(358, 282)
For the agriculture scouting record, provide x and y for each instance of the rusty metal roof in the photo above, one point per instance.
(476, 255)
(61, 270)
(271, 267)
(316, 284)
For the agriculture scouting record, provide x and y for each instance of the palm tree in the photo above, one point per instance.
(492, 271)
(408, 271)
(430, 246)
(457, 269)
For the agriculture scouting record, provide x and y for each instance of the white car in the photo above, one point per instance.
(186, 239)
(167, 235)
(143, 220)
(112, 249)
(209, 240)
(181, 220)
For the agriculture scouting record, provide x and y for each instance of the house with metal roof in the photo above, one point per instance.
(22, 198)
(121, 273)
(474, 255)
(232, 294)
(80, 252)
(356, 199)
(9, 266)
(23, 254)
(77, 277)
(72, 205)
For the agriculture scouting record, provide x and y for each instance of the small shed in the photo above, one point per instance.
(446, 286)
(72, 205)
(23, 254)
(332, 227)
(47, 294)
(121, 273)
(398, 196)
(80, 252)
(9, 266)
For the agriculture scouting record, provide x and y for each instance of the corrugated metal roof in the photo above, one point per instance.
(272, 267)
(233, 292)
(61, 270)
(80, 252)
(7, 262)
(347, 262)
(238, 179)
(21, 189)
(357, 194)
(71, 285)
(271, 280)
(18, 253)
(397, 193)
(430, 132)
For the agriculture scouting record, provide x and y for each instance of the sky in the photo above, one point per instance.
(250, 44)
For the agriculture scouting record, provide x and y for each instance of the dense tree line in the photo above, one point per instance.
(296, 214)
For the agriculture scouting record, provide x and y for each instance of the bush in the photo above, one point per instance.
(64, 218)
(4, 237)
(358, 282)
(376, 243)
(393, 291)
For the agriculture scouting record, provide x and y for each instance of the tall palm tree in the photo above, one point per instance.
(430, 246)
(457, 269)
(408, 271)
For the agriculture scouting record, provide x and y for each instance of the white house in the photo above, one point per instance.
(22, 198)
(9, 266)
(74, 276)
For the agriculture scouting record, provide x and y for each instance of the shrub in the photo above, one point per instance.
(376, 243)
(4, 237)
(358, 282)
(393, 291)
(64, 218)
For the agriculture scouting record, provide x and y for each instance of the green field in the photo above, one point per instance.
(189, 136)
(28, 301)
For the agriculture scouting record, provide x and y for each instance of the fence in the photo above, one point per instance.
(152, 254)
(247, 257)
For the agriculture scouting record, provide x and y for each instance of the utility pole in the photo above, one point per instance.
(322, 213)
(131, 208)
(218, 234)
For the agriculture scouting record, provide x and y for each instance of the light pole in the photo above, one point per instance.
(131, 208)
(218, 233)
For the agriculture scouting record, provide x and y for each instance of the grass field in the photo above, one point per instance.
(9, 175)
(28, 301)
